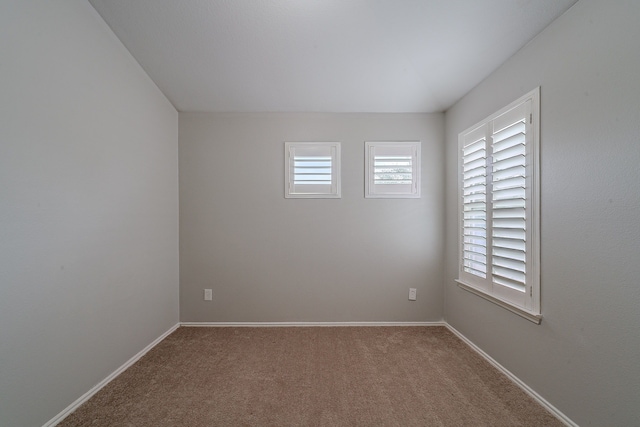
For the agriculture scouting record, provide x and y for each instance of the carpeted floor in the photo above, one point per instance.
(311, 376)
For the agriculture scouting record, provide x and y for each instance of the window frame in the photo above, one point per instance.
(487, 288)
(312, 149)
(393, 191)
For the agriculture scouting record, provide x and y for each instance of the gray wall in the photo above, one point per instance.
(88, 207)
(268, 258)
(584, 356)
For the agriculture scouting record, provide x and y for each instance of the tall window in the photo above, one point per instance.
(499, 207)
(312, 169)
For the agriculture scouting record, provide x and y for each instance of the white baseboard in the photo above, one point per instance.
(69, 409)
(555, 411)
(302, 324)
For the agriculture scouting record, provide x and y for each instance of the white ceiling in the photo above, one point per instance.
(323, 55)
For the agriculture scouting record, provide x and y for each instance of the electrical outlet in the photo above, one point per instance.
(208, 295)
(412, 294)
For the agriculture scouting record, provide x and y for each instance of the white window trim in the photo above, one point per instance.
(485, 288)
(319, 191)
(390, 191)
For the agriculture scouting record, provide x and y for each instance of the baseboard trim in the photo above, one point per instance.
(69, 409)
(302, 324)
(555, 411)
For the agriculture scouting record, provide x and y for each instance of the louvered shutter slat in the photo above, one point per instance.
(476, 256)
(475, 248)
(480, 179)
(506, 243)
(472, 147)
(517, 170)
(476, 207)
(508, 163)
(509, 194)
(476, 240)
(478, 187)
(513, 233)
(516, 126)
(513, 284)
(475, 223)
(475, 198)
(479, 154)
(512, 141)
(516, 255)
(509, 203)
(474, 215)
(512, 223)
(477, 172)
(514, 182)
(509, 213)
(477, 232)
(476, 268)
(516, 150)
(511, 264)
(476, 163)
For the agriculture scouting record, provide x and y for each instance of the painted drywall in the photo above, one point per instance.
(88, 207)
(584, 356)
(271, 259)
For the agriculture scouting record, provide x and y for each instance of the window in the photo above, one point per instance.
(392, 169)
(499, 208)
(312, 170)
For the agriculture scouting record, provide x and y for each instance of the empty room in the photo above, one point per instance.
(319, 212)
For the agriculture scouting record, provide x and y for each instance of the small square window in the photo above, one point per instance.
(312, 170)
(392, 169)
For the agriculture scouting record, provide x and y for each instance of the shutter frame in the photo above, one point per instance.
(381, 180)
(512, 207)
(317, 161)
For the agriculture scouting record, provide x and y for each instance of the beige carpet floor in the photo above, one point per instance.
(311, 376)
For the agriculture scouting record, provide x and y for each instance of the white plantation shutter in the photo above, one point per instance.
(393, 169)
(312, 170)
(508, 199)
(499, 245)
(474, 194)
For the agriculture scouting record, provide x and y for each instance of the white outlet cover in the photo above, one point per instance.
(412, 294)
(208, 295)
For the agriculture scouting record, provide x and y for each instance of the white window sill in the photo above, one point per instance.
(535, 318)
